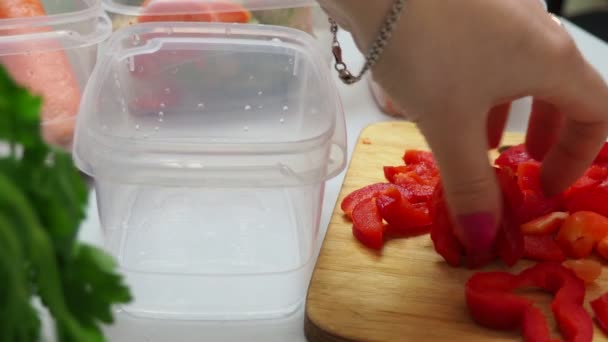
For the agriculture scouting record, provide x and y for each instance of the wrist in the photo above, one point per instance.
(362, 18)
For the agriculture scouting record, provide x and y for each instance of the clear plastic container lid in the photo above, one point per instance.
(56, 13)
(210, 104)
(135, 7)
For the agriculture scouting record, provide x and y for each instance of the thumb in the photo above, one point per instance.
(468, 178)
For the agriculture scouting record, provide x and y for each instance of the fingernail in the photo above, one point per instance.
(477, 232)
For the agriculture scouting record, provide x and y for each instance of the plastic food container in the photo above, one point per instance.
(54, 55)
(209, 145)
(305, 15)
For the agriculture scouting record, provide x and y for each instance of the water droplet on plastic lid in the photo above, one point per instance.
(247, 107)
(246, 128)
(167, 90)
(137, 127)
(260, 93)
(201, 105)
(162, 105)
(282, 120)
(285, 108)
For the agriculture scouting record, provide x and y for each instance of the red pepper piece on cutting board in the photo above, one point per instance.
(442, 231)
(600, 308)
(509, 243)
(581, 232)
(534, 203)
(542, 248)
(401, 215)
(510, 240)
(512, 157)
(371, 191)
(419, 157)
(492, 303)
(590, 199)
(368, 226)
(544, 225)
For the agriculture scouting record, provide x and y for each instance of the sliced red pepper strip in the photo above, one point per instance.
(371, 191)
(492, 304)
(534, 327)
(544, 225)
(542, 248)
(368, 227)
(510, 240)
(402, 216)
(442, 232)
(600, 308)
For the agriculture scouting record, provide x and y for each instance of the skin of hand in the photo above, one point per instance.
(455, 66)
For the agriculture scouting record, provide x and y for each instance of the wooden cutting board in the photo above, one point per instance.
(405, 292)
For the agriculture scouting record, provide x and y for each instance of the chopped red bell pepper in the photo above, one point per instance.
(510, 240)
(371, 191)
(417, 157)
(542, 248)
(512, 157)
(442, 231)
(535, 205)
(544, 225)
(368, 226)
(602, 248)
(492, 303)
(602, 156)
(401, 215)
(390, 172)
(600, 308)
(586, 269)
(528, 176)
(581, 232)
(590, 199)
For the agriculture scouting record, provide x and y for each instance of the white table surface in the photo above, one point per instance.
(360, 111)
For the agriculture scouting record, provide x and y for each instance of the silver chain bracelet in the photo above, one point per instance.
(374, 52)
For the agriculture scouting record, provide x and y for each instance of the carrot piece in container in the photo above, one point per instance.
(46, 71)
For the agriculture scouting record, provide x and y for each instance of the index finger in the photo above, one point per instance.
(584, 103)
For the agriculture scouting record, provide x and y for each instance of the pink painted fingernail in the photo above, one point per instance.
(477, 232)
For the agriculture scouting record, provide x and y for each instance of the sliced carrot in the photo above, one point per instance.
(46, 71)
(586, 269)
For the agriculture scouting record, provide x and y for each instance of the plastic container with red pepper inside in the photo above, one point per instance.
(304, 15)
(209, 145)
(51, 47)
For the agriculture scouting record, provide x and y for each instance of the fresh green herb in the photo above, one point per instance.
(42, 203)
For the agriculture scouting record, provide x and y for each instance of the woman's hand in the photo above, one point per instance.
(455, 65)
